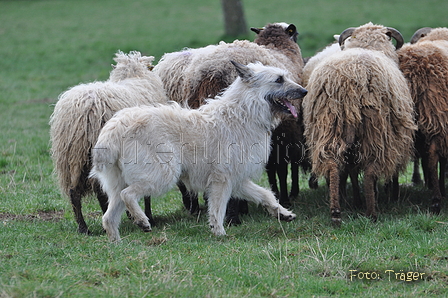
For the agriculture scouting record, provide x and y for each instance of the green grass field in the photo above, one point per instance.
(49, 46)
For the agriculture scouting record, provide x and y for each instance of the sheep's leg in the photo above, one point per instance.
(335, 208)
(355, 187)
(257, 194)
(294, 193)
(313, 181)
(343, 176)
(369, 192)
(271, 171)
(148, 211)
(416, 178)
(218, 197)
(233, 211)
(101, 196)
(426, 170)
(433, 160)
(442, 172)
(395, 188)
(130, 196)
(75, 198)
(190, 199)
(111, 219)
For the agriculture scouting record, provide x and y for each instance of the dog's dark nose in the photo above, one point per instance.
(301, 92)
(304, 92)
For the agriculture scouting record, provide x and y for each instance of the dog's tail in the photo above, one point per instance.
(105, 157)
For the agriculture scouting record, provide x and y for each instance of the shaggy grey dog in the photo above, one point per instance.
(218, 148)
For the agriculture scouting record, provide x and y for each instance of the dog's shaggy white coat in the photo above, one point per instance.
(219, 148)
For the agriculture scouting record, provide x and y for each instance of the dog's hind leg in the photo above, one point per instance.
(259, 195)
(130, 196)
(111, 219)
(218, 197)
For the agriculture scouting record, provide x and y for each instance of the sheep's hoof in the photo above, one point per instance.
(336, 217)
(233, 220)
(313, 183)
(435, 207)
(416, 179)
(336, 222)
(84, 230)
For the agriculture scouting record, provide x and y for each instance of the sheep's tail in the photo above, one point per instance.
(74, 127)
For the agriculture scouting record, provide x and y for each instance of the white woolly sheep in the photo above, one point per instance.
(424, 63)
(171, 68)
(82, 111)
(359, 112)
(218, 148)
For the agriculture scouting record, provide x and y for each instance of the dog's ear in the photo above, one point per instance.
(245, 73)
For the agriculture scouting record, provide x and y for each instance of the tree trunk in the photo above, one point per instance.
(234, 20)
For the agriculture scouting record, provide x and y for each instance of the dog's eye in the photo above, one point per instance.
(280, 80)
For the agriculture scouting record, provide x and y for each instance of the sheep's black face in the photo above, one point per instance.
(281, 100)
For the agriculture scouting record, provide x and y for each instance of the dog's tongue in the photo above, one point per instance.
(291, 108)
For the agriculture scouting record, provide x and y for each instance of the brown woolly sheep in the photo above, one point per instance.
(359, 113)
(424, 63)
(312, 63)
(210, 72)
(82, 111)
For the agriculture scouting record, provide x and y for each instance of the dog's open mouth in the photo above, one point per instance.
(286, 106)
(281, 101)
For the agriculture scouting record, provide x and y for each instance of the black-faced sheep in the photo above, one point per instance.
(82, 111)
(424, 63)
(359, 112)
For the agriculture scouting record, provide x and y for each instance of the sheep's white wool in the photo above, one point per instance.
(81, 112)
(316, 59)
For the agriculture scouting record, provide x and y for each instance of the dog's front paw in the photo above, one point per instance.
(218, 230)
(144, 225)
(288, 217)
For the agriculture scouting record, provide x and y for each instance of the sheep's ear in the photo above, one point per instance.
(292, 32)
(256, 30)
(244, 72)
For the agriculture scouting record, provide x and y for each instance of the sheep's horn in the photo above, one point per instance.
(346, 34)
(422, 32)
(395, 34)
(256, 30)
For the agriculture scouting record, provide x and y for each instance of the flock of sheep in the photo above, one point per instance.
(371, 108)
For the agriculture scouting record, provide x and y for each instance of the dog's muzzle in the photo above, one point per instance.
(282, 100)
